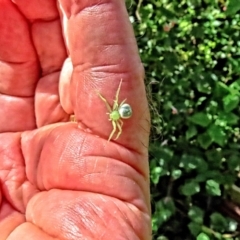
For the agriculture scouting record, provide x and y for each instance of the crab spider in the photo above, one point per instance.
(117, 113)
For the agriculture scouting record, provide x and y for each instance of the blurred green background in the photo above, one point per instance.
(191, 53)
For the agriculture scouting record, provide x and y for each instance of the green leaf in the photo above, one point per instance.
(191, 162)
(214, 158)
(213, 188)
(210, 174)
(230, 102)
(227, 118)
(196, 214)
(162, 238)
(233, 225)
(203, 236)
(194, 228)
(234, 193)
(217, 135)
(204, 140)
(176, 173)
(190, 188)
(156, 173)
(191, 132)
(235, 86)
(201, 119)
(203, 87)
(233, 162)
(165, 208)
(233, 7)
(218, 222)
(221, 89)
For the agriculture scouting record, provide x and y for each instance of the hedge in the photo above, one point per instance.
(191, 53)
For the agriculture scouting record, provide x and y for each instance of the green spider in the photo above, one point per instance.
(117, 113)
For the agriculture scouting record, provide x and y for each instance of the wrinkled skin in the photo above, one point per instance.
(61, 179)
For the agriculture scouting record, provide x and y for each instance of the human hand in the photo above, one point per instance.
(62, 179)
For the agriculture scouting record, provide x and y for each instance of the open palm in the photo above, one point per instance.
(62, 179)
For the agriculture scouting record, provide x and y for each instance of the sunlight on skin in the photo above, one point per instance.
(62, 179)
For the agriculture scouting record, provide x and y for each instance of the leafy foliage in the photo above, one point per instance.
(191, 53)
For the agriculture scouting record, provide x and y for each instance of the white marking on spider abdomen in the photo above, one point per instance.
(125, 111)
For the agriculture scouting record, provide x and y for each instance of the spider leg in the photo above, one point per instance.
(119, 126)
(121, 122)
(105, 101)
(113, 131)
(122, 102)
(115, 105)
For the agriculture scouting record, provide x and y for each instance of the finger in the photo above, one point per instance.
(103, 50)
(9, 219)
(51, 52)
(32, 51)
(37, 10)
(92, 216)
(16, 190)
(29, 231)
(73, 166)
(82, 163)
(18, 71)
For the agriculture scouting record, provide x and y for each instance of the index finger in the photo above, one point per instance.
(103, 51)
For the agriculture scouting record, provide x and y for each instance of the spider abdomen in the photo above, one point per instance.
(125, 111)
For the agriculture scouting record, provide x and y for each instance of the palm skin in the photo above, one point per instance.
(62, 179)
